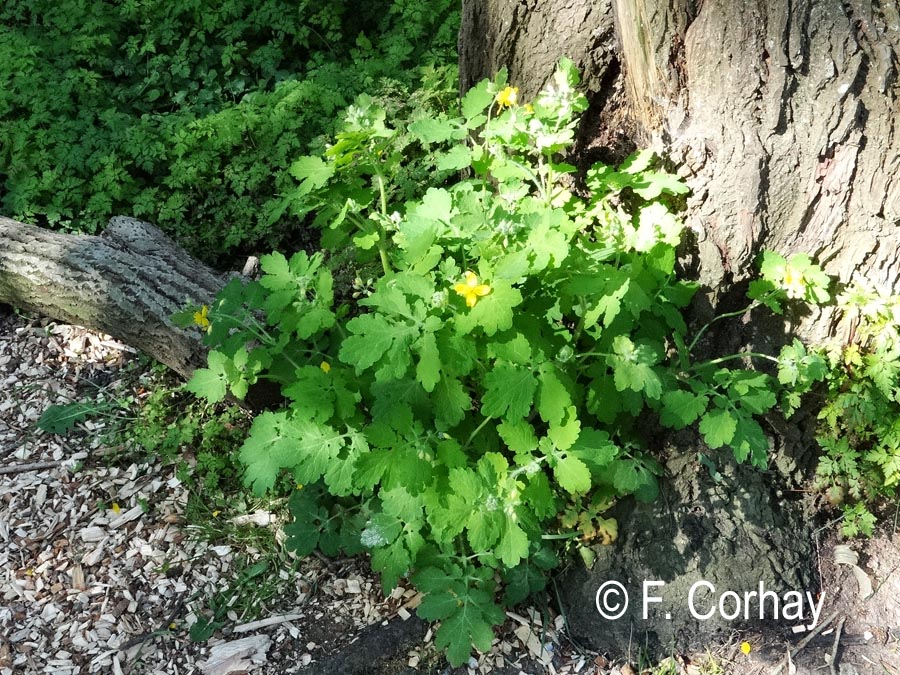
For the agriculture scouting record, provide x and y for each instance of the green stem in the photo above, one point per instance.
(382, 253)
(476, 432)
(382, 193)
(731, 357)
(587, 354)
(568, 535)
(547, 188)
(382, 238)
(719, 318)
(580, 327)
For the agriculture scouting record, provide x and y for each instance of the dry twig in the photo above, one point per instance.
(834, 648)
(805, 641)
(33, 466)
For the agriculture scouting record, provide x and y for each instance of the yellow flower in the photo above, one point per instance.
(201, 318)
(507, 97)
(215, 514)
(299, 486)
(745, 647)
(794, 284)
(529, 108)
(325, 366)
(471, 290)
(116, 508)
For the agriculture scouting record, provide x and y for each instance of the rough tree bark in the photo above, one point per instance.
(782, 115)
(783, 118)
(125, 282)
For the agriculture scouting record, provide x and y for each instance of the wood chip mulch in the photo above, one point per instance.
(98, 573)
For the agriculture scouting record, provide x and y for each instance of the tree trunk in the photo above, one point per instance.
(126, 282)
(782, 115)
(783, 118)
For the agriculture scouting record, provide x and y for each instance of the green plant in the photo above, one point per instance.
(254, 583)
(710, 665)
(105, 403)
(859, 427)
(60, 418)
(188, 113)
(495, 390)
(202, 440)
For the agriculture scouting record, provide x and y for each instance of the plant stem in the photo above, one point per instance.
(475, 433)
(587, 354)
(718, 318)
(731, 357)
(382, 238)
(580, 326)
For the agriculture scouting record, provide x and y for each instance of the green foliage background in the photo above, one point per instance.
(188, 113)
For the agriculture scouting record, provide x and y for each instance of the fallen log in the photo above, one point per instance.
(126, 282)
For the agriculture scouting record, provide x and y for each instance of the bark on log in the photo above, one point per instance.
(126, 282)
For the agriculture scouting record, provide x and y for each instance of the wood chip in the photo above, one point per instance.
(265, 623)
(133, 513)
(235, 656)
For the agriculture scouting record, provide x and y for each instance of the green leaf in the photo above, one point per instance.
(463, 629)
(595, 448)
(312, 393)
(372, 336)
(518, 435)
(494, 312)
(438, 603)
(718, 427)
(435, 130)
(637, 162)
(750, 440)
(515, 350)
(681, 408)
(450, 402)
(317, 447)
(210, 383)
(476, 101)
(277, 442)
(483, 528)
(632, 367)
(269, 448)
(566, 432)
(393, 561)
(437, 204)
(553, 398)
(632, 476)
(651, 184)
(572, 475)
(766, 293)
(303, 533)
(203, 629)
(523, 581)
(58, 419)
(428, 370)
(509, 391)
(381, 530)
(455, 159)
(402, 505)
(513, 546)
(312, 172)
(540, 496)
(278, 273)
